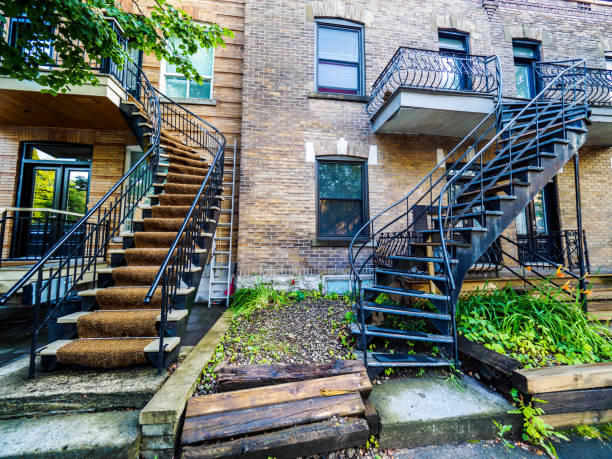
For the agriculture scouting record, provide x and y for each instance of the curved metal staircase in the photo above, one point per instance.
(165, 210)
(441, 228)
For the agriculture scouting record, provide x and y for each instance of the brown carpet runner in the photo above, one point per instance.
(121, 311)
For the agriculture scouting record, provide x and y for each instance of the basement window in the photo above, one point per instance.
(341, 198)
(339, 57)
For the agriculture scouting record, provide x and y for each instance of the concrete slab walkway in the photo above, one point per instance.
(113, 434)
(431, 410)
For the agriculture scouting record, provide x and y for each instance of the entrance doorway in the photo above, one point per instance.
(54, 187)
(537, 228)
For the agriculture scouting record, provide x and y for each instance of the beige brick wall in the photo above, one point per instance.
(277, 193)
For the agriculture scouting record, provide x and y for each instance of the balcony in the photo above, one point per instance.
(598, 88)
(87, 106)
(433, 93)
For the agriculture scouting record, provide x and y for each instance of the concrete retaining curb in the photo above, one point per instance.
(162, 417)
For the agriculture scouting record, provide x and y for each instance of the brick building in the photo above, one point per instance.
(309, 72)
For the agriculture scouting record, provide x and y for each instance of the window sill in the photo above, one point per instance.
(333, 96)
(334, 242)
(189, 101)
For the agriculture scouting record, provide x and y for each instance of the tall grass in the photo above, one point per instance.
(262, 295)
(541, 328)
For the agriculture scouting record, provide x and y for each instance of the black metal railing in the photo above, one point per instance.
(557, 248)
(127, 74)
(598, 82)
(88, 238)
(436, 71)
(28, 234)
(177, 265)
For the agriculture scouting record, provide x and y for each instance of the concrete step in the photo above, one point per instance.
(103, 435)
(431, 410)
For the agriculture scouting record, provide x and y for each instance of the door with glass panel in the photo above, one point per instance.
(526, 55)
(453, 60)
(537, 228)
(53, 193)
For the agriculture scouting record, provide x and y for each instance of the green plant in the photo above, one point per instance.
(389, 371)
(247, 300)
(420, 373)
(454, 377)
(503, 429)
(372, 442)
(349, 317)
(535, 430)
(542, 328)
(593, 432)
(296, 296)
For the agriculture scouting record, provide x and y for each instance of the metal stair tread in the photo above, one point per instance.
(400, 310)
(406, 292)
(383, 359)
(409, 335)
(493, 189)
(506, 197)
(417, 275)
(475, 229)
(109, 270)
(425, 259)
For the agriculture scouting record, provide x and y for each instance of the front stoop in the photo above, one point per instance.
(430, 410)
(112, 434)
(162, 417)
(71, 390)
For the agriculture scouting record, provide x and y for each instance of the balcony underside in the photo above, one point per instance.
(600, 130)
(448, 114)
(83, 107)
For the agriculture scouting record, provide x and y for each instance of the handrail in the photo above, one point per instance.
(179, 258)
(435, 71)
(478, 156)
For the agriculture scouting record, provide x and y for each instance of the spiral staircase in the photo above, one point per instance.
(446, 223)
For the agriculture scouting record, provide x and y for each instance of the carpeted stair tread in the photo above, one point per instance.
(115, 324)
(145, 256)
(175, 177)
(169, 211)
(182, 188)
(179, 169)
(154, 239)
(168, 199)
(128, 297)
(136, 275)
(185, 161)
(182, 151)
(163, 224)
(104, 353)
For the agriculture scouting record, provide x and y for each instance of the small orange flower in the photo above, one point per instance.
(528, 268)
(588, 292)
(566, 287)
(559, 273)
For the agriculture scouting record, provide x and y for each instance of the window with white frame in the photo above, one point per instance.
(174, 84)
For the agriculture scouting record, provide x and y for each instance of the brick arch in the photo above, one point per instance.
(340, 10)
(452, 22)
(525, 32)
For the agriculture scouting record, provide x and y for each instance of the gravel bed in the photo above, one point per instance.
(310, 331)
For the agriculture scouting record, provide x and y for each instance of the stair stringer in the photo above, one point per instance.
(497, 225)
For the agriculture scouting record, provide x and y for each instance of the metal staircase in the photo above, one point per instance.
(443, 226)
(220, 279)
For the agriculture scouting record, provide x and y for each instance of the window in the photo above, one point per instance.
(526, 54)
(339, 57)
(608, 60)
(174, 84)
(21, 26)
(342, 198)
(454, 51)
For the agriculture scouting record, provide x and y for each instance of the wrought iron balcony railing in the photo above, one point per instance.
(598, 81)
(436, 71)
(127, 74)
